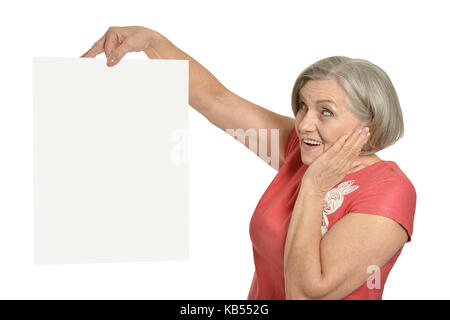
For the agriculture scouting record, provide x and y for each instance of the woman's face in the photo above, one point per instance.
(323, 117)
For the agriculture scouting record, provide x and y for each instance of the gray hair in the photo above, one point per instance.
(372, 96)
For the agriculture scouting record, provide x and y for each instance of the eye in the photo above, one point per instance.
(327, 112)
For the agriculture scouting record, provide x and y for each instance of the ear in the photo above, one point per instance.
(367, 123)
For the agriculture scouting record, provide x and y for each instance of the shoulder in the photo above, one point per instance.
(386, 191)
(385, 182)
(292, 153)
(292, 142)
(384, 174)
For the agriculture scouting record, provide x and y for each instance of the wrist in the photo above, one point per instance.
(154, 39)
(312, 190)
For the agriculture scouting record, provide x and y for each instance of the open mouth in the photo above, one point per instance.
(311, 144)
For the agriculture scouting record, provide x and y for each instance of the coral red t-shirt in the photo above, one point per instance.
(381, 188)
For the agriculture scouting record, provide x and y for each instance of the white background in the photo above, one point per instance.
(256, 49)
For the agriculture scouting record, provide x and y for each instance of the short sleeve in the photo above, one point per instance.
(292, 141)
(394, 198)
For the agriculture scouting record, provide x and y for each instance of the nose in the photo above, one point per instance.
(307, 122)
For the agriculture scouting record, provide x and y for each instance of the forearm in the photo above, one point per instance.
(204, 88)
(302, 265)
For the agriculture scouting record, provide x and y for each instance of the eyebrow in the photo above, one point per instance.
(320, 101)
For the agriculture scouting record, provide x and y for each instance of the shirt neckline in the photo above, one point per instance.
(369, 167)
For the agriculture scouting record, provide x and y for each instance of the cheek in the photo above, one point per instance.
(330, 135)
(328, 144)
(327, 134)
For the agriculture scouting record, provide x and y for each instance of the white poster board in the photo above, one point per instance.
(110, 160)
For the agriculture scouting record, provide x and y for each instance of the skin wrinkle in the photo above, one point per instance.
(310, 123)
(344, 250)
(306, 253)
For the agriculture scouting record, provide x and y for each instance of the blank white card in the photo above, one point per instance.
(110, 160)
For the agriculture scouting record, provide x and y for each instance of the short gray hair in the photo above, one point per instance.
(371, 94)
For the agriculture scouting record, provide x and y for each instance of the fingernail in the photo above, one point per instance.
(359, 131)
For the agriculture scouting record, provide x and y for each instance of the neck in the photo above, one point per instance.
(366, 161)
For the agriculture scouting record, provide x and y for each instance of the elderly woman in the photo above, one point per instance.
(334, 220)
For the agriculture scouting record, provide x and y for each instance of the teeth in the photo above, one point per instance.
(312, 142)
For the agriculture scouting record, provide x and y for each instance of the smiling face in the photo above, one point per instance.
(323, 116)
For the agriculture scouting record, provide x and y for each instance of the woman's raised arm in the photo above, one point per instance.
(246, 121)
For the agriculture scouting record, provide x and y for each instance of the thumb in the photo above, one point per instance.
(356, 163)
(118, 53)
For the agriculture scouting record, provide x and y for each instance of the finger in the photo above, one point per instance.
(365, 135)
(111, 43)
(351, 152)
(337, 146)
(96, 48)
(343, 153)
(360, 141)
(355, 164)
(353, 139)
(118, 53)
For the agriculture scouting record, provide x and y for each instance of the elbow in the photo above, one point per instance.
(304, 290)
(296, 296)
(300, 295)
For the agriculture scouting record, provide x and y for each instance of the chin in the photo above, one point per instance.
(307, 160)
(308, 157)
